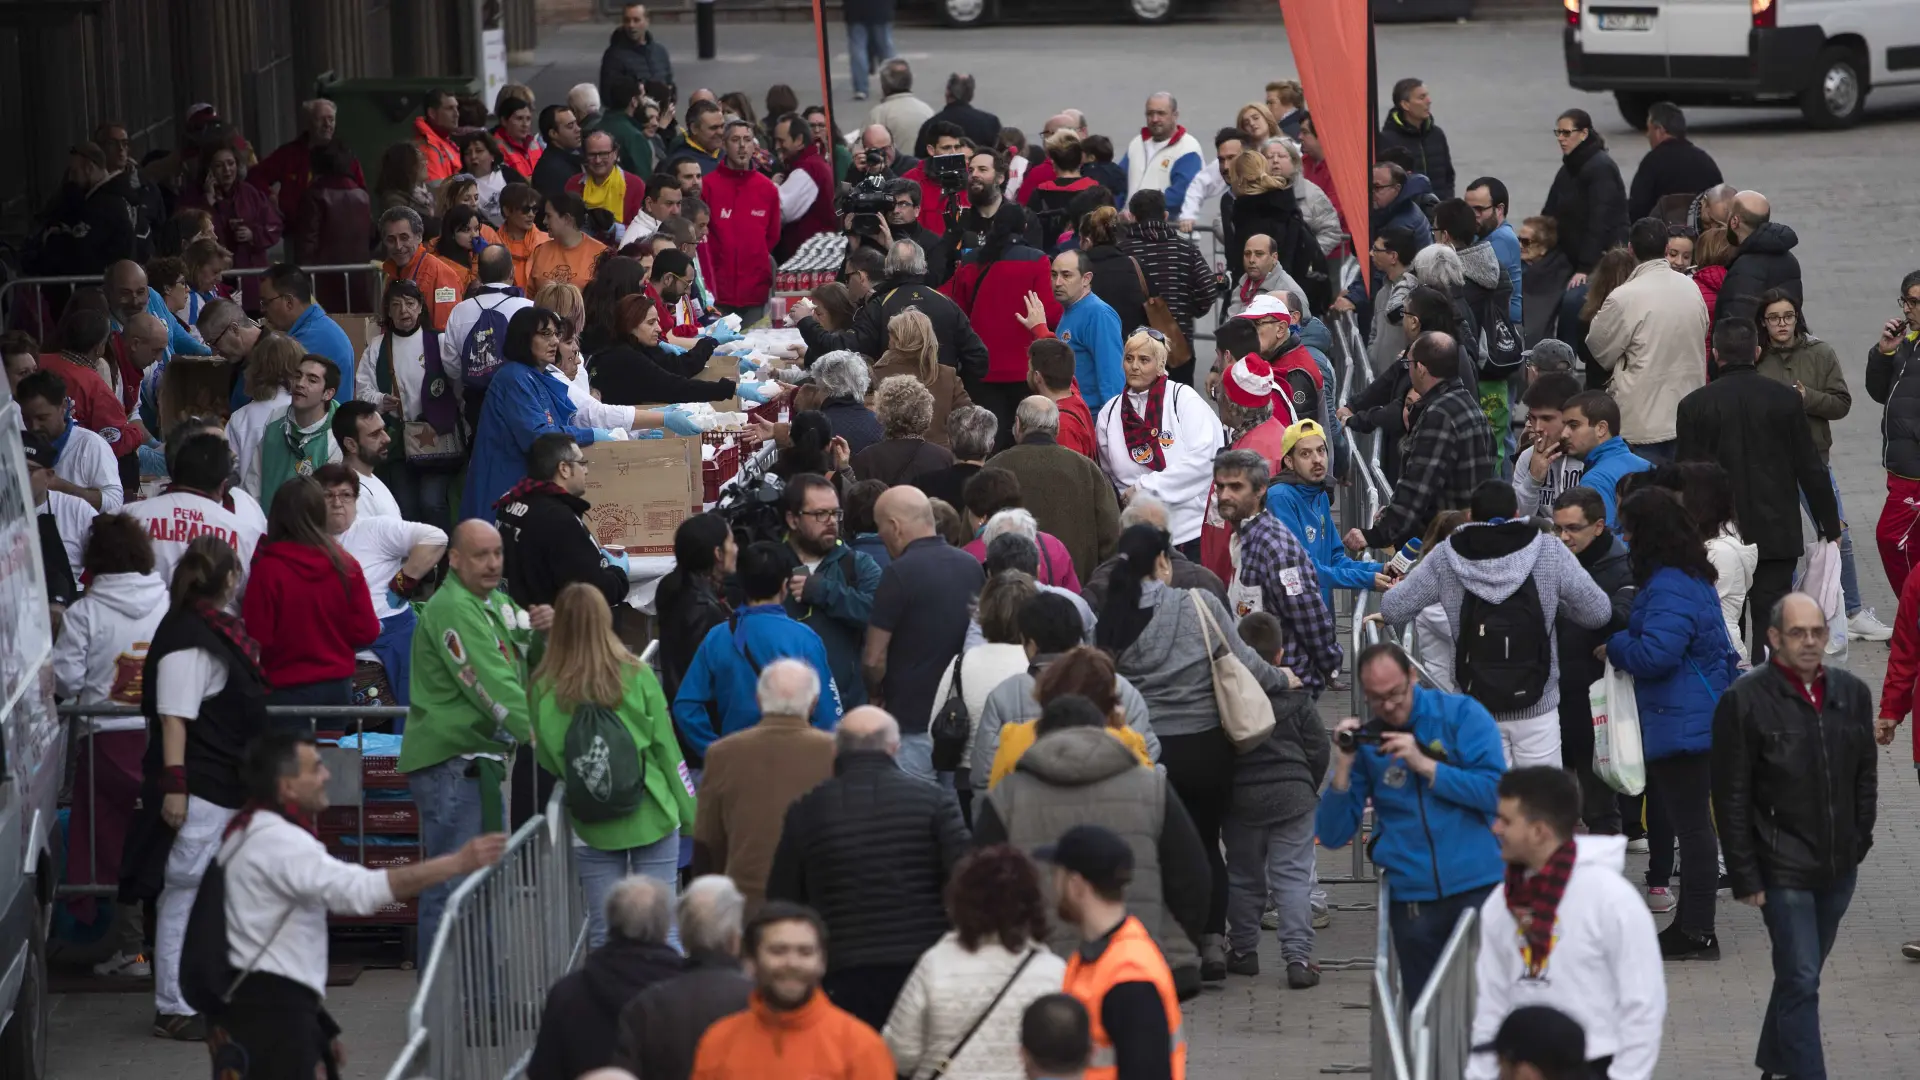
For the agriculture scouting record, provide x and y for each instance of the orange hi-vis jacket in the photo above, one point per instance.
(1130, 956)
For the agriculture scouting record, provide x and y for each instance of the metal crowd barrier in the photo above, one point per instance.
(22, 299)
(343, 789)
(1440, 1027)
(509, 932)
(1387, 1044)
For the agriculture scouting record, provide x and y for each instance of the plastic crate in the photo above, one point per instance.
(383, 818)
(719, 469)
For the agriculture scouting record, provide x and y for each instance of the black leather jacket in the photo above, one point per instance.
(1793, 791)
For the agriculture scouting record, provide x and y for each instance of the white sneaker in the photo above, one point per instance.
(122, 966)
(1865, 626)
(1638, 847)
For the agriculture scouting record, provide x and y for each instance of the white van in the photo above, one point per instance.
(1824, 55)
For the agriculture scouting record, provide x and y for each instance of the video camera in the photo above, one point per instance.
(868, 202)
(949, 171)
(1371, 733)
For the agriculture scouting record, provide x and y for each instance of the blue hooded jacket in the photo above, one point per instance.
(521, 405)
(1307, 512)
(1436, 839)
(719, 694)
(1606, 464)
(1675, 646)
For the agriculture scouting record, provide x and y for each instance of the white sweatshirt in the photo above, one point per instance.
(1734, 561)
(1604, 971)
(103, 644)
(1193, 436)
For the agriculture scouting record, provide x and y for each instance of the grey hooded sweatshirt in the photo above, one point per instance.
(1491, 561)
(1169, 664)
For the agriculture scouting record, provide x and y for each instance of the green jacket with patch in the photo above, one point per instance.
(469, 678)
(669, 803)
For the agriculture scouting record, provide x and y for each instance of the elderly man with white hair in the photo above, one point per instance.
(1068, 494)
(1187, 574)
(579, 1025)
(844, 375)
(661, 1028)
(906, 286)
(1013, 543)
(752, 776)
(584, 101)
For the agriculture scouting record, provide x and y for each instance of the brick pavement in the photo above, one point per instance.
(1842, 191)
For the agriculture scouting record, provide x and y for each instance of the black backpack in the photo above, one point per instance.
(1505, 652)
(208, 978)
(1489, 336)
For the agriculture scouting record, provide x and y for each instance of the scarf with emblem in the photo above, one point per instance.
(1142, 432)
(1533, 901)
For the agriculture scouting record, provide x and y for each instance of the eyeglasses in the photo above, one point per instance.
(1910, 302)
(598, 154)
(1785, 318)
(1377, 251)
(1480, 211)
(576, 462)
(341, 496)
(546, 332)
(822, 516)
(1568, 530)
(1805, 633)
(1385, 187)
(1566, 133)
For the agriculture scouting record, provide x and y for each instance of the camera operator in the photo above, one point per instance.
(875, 157)
(906, 223)
(967, 226)
(1431, 763)
(941, 174)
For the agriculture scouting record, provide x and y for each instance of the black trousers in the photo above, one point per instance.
(867, 992)
(1772, 579)
(1200, 768)
(275, 1029)
(1001, 399)
(1681, 784)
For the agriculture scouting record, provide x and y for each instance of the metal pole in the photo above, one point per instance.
(703, 27)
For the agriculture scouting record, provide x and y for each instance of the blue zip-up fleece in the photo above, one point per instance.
(1436, 839)
(1092, 329)
(1675, 646)
(1307, 512)
(837, 611)
(1606, 464)
(719, 690)
(522, 404)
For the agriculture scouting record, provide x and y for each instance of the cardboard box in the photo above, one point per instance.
(358, 329)
(195, 386)
(641, 490)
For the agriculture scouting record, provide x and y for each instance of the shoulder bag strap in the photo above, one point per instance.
(1140, 275)
(1207, 626)
(241, 975)
(946, 1061)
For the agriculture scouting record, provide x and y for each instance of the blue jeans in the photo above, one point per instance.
(1801, 923)
(600, 871)
(1849, 577)
(916, 757)
(867, 45)
(449, 804)
(1420, 931)
(1659, 453)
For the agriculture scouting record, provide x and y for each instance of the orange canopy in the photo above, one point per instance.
(1329, 41)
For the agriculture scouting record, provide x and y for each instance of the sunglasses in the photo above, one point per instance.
(1154, 334)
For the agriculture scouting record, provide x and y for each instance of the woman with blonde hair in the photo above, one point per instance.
(913, 350)
(1263, 205)
(632, 824)
(271, 365)
(1256, 123)
(1159, 436)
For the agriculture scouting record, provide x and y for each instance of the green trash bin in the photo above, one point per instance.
(373, 114)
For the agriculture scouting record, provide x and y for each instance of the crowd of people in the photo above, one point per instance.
(1001, 741)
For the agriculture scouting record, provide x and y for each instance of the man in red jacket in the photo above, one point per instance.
(947, 139)
(746, 228)
(806, 195)
(290, 168)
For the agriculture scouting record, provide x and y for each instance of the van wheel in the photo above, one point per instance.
(23, 1046)
(964, 13)
(1633, 108)
(1838, 94)
(1151, 12)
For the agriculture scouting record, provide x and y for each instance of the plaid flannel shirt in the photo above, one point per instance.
(1272, 559)
(1448, 454)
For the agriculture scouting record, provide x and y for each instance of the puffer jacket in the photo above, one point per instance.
(1083, 775)
(580, 1026)
(1894, 381)
(1734, 560)
(1543, 287)
(871, 850)
(1588, 200)
(1816, 367)
(1765, 261)
(1794, 789)
(1428, 145)
(1676, 648)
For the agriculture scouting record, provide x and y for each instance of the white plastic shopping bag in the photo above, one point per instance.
(1822, 582)
(1617, 756)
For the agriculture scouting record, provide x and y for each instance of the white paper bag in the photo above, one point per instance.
(1617, 756)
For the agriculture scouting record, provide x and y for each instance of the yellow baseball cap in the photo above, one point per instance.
(1298, 430)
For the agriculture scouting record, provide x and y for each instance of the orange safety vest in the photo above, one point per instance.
(1130, 956)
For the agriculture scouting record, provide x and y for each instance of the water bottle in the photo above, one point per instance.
(1404, 560)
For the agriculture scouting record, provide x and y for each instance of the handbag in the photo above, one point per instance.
(951, 725)
(946, 1060)
(1246, 714)
(430, 449)
(1160, 317)
(1618, 757)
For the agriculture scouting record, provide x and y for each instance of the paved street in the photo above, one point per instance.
(1497, 89)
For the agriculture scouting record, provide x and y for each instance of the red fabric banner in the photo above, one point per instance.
(1329, 41)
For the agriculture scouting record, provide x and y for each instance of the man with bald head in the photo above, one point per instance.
(919, 620)
(1060, 486)
(1794, 835)
(469, 705)
(871, 850)
(752, 776)
(876, 156)
(1164, 156)
(1042, 171)
(1763, 261)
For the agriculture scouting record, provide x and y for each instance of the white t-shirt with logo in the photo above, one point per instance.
(174, 519)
